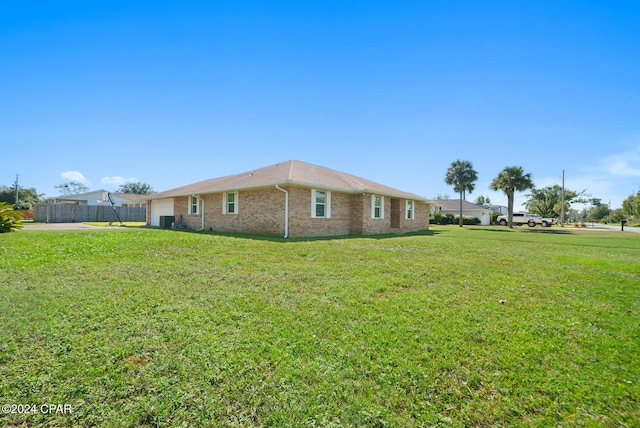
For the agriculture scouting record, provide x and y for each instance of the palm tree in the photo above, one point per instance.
(509, 180)
(461, 176)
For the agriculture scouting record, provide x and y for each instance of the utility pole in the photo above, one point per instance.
(17, 190)
(562, 208)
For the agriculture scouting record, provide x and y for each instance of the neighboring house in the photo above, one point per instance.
(97, 196)
(294, 199)
(452, 206)
(497, 208)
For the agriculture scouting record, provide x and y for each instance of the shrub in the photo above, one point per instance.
(470, 221)
(444, 220)
(10, 220)
(436, 218)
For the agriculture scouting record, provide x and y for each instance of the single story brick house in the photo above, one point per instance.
(292, 198)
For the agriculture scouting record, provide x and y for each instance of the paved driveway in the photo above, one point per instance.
(59, 226)
(608, 227)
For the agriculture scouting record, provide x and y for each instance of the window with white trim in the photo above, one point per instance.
(320, 203)
(230, 203)
(409, 210)
(377, 206)
(194, 205)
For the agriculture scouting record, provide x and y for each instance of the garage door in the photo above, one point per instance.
(160, 207)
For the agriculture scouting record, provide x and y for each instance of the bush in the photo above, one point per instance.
(436, 217)
(447, 219)
(10, 220)
(470, 221)
(444, 219)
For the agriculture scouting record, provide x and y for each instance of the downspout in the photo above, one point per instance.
(286, 211)
(202, 228)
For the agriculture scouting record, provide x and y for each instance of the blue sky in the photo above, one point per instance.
(174, 92)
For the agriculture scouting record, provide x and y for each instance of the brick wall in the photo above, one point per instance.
(302, 224)
(357, 213)
(258, 212)
(373, 226)
(420, 218)
(363, 223)
(180, 209)
(262, 212)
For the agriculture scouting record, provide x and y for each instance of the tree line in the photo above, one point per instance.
(546, 201)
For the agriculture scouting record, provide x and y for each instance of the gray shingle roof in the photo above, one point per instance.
(454, 205)
(292, 172)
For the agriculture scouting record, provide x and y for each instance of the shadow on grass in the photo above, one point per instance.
(493, 229)
(553, 231)
(527, 229)
(308, 239)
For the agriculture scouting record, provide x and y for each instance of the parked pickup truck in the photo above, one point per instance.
(529, 219)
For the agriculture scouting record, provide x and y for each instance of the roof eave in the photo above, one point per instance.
(291, 183)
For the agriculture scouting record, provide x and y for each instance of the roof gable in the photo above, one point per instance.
(292, 172)
(454, 205)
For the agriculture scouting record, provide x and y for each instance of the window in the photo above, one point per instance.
(320, 204)
(377, 206)
(230, 203)
(194, 206)
(409, 210)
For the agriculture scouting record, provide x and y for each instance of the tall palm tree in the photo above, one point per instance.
(509, 180)
(461, 176)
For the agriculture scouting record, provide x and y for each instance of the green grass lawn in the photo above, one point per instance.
(166, 328)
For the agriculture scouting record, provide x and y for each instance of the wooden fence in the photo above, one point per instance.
(71, 213)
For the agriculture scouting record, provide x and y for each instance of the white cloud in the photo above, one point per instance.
(75, 176)
(623, 164)
(116, 180)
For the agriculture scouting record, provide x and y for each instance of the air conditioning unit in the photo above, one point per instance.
(166, 221)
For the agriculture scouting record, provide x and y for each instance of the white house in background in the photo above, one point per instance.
(497, 208)
(96, 197)
(452, 206)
